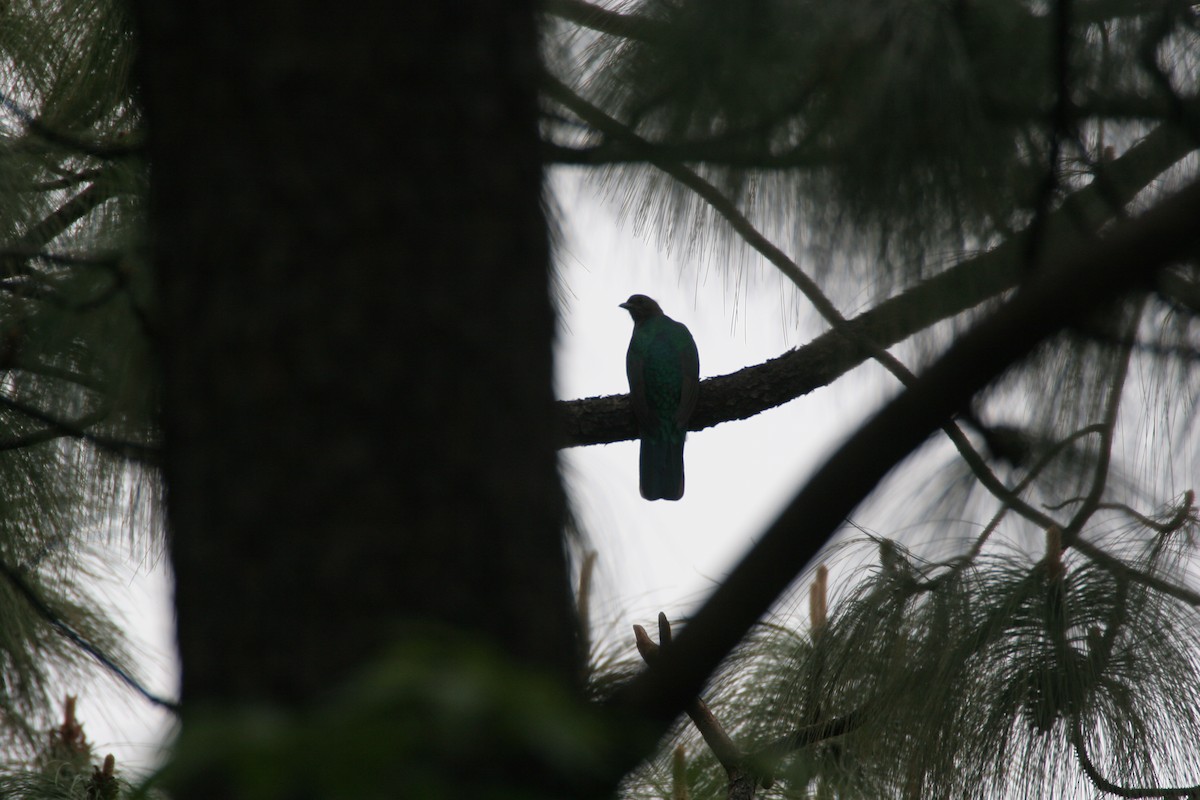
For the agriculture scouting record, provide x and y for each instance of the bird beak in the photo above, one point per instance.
(623, 305)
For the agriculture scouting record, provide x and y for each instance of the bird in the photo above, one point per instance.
(663, 367)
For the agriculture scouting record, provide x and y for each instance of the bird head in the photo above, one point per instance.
(641, 307)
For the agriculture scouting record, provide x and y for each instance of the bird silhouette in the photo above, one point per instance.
(664, 380)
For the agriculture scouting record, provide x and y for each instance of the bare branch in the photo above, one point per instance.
(808, 287)
(963, 561)
(1170, 526)
(750, 391)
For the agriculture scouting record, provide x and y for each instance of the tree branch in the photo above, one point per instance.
(47, 614)
(750, 391)
(1108, 427)
(723, 152)
(1122, 570)
(48, 434)
(1010, 502)
(810, 734)
(37, 236)
(742, 782)
(731, 151)
(648, 29)
(1182, 515)
(1105, 785)
(134, 451)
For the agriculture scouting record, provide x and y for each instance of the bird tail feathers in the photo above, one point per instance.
(661, 468)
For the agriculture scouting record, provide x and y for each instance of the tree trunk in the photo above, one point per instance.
(357, 337)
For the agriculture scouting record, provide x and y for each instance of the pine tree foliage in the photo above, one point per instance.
(77, 440)
(888, 128)
(970, 678)
(66, 767)
(945, 151)
(948, 151)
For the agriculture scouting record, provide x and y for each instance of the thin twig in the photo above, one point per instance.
(810, 735)
(1105, 785)
(134, 451)
(1177, 520)
(1182, 515)
(45, 612)
(1108, 430)
(91, 147)
(37, 236)
(1041, 464)
(1060, 21)
(1122, 570)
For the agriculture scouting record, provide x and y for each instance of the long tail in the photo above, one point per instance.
(661, 468)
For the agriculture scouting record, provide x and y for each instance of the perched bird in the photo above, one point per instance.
(664, 381)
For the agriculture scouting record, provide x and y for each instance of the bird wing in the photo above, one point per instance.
(689, 364)
(635, 370)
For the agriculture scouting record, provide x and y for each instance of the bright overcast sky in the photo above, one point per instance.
(667, 555)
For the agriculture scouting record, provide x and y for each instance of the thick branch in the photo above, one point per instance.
(1083, 279)
(727, 753)
(743, 394)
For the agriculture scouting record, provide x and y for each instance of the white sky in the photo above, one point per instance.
(666, 556)
(137, 596)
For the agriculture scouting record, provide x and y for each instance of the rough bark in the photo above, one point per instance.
(357, 354)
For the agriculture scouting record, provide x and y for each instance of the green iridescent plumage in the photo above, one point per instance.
(664, 379)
